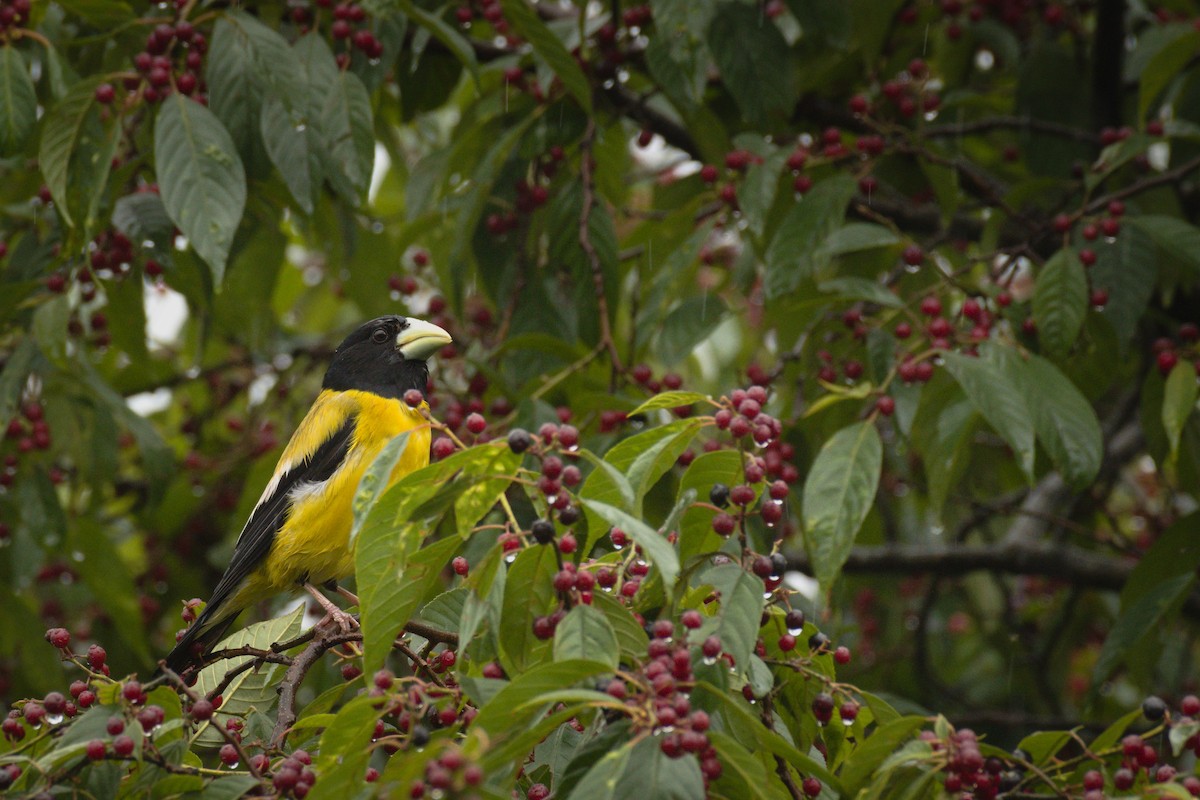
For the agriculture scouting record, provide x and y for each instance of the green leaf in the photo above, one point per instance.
(743, 769)
(18, 102)
(235, 93)
(838, 493)
(1140, 618)
(858, 236)
(695, 530)
(390, 603)
(650, 774)
(275, 64)
(668, 400)
(1128, 270)
(1163, 67)
(345, 749)
(1043, 745)
(99, 13)
(631, 637)
(754, 61)
(999, 401)
(375, 481)
(1064, 420)
(797, 251)
(339, 112)
(654, 545)
(500, 715)
(1175, 236)
(687, 325)
(528, 593)
(200, 178)
(584, 633)
(292, 149)
(885, 740)
(76, 153)
(600, 782)
(252, 689)
(1179, 402)
(1175, 552)
(1060, 302)
(766, 739)
(653, 451)
(861, 289)
(736, 619)
(524, 20)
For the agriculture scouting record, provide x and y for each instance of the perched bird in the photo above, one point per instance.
(298, 535)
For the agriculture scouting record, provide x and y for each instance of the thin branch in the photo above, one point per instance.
(234, 741)
(1011, 123)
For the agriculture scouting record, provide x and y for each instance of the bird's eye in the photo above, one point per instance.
(379, 336)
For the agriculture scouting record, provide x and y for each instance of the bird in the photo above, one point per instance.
(298, 535)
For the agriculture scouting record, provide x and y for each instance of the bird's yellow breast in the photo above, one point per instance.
(314, 543)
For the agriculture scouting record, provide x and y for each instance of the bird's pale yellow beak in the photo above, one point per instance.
(419, 339)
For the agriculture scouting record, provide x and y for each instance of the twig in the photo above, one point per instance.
(1010, 123)
(226, 734)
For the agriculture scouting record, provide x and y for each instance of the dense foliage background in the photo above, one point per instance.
(949, 244)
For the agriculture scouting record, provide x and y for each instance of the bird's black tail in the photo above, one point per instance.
(197, 640)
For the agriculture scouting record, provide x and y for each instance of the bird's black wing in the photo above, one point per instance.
(271, 512)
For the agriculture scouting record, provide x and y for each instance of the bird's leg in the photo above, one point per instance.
(345, 621)
(349, 595)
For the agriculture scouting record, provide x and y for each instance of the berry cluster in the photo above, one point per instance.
(13, 13)
(349, 27)
(1185, 345)
(27, 433)
(172, 60)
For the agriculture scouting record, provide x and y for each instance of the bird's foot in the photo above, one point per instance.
(344, 621)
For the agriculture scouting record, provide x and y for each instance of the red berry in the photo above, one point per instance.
(202, 710)
(913, 255)
(1087, 256)
(123, 746)
(476, 423)
(886, 405)
(96, 749)
(228, 754)
(1167, 361)
(460, 565)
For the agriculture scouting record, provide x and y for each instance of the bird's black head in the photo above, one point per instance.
(385, 356)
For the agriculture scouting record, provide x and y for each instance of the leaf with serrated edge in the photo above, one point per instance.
(1060, 302)
(1064, 420)
(251, 689)
(63, 130)
(1000, 403)
(736, 619)
(200, 178)
(374, 481)
(838, 494)
(388, 605)
(584, 633)
(18, 101)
